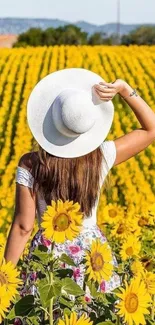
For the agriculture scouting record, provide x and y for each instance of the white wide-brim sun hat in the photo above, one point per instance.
(65, 115)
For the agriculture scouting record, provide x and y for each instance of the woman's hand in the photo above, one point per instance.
(106, 91)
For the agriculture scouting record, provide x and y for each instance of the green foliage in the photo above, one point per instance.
(59, 287)
(144, 35)
(73, 35)
(69, 286)
(22, 308)
(97, 39)
(58, 291)
(66, 259)
(69, 34)
(102, 38)
(33, 37)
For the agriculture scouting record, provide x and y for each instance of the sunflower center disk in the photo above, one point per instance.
(61, 222)
(129, 251)
(131, 302)
(97, 262)
(112, 213)
(121, 229)
(142, 222)
(3, 278)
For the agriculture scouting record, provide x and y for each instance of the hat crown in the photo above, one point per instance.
(73, 112)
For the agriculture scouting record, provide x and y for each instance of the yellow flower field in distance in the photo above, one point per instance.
(133, 182)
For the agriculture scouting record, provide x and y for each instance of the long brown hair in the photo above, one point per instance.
(76, 179)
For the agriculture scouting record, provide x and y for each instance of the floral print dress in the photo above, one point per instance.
(75, 249)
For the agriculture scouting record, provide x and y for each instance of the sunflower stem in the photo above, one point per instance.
(84, 284)
(118, 320)
(51, 311)
(51, 302)
(46, 312)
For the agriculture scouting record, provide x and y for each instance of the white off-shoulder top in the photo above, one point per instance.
(24, 177)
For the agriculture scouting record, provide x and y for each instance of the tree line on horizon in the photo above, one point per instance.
(73, 35)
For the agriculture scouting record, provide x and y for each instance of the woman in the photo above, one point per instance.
(70, 113)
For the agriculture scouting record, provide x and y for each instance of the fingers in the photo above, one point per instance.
(108, 84)
(104, 96)
(103, 89)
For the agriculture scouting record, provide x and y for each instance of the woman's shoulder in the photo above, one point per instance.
(24, 171)
(109, 150)
(27, 160)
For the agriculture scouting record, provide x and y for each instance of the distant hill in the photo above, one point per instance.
(20, 25)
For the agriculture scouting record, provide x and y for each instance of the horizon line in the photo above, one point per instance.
(75, 22)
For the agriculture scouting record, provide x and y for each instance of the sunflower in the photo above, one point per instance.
(73, 320)
(137, 268)
(99, 261)
(4, 302)
(124, 228)
(62, 221)
(131, 247)
(9, 278)
(149, 279)
(111, 214)
(144, 219)
(148, 262)
(135, 301)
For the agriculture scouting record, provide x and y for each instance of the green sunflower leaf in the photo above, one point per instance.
(69, 286)
(22, 307)
(66, 302)
(66, 259)
(46, 291)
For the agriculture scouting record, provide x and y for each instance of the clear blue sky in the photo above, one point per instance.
(94, 11)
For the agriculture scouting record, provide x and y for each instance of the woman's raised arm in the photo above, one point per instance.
(137, 140)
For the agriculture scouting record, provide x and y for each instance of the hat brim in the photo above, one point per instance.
(39, 114)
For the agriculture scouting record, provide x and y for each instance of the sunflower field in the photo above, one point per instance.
(126, 213)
